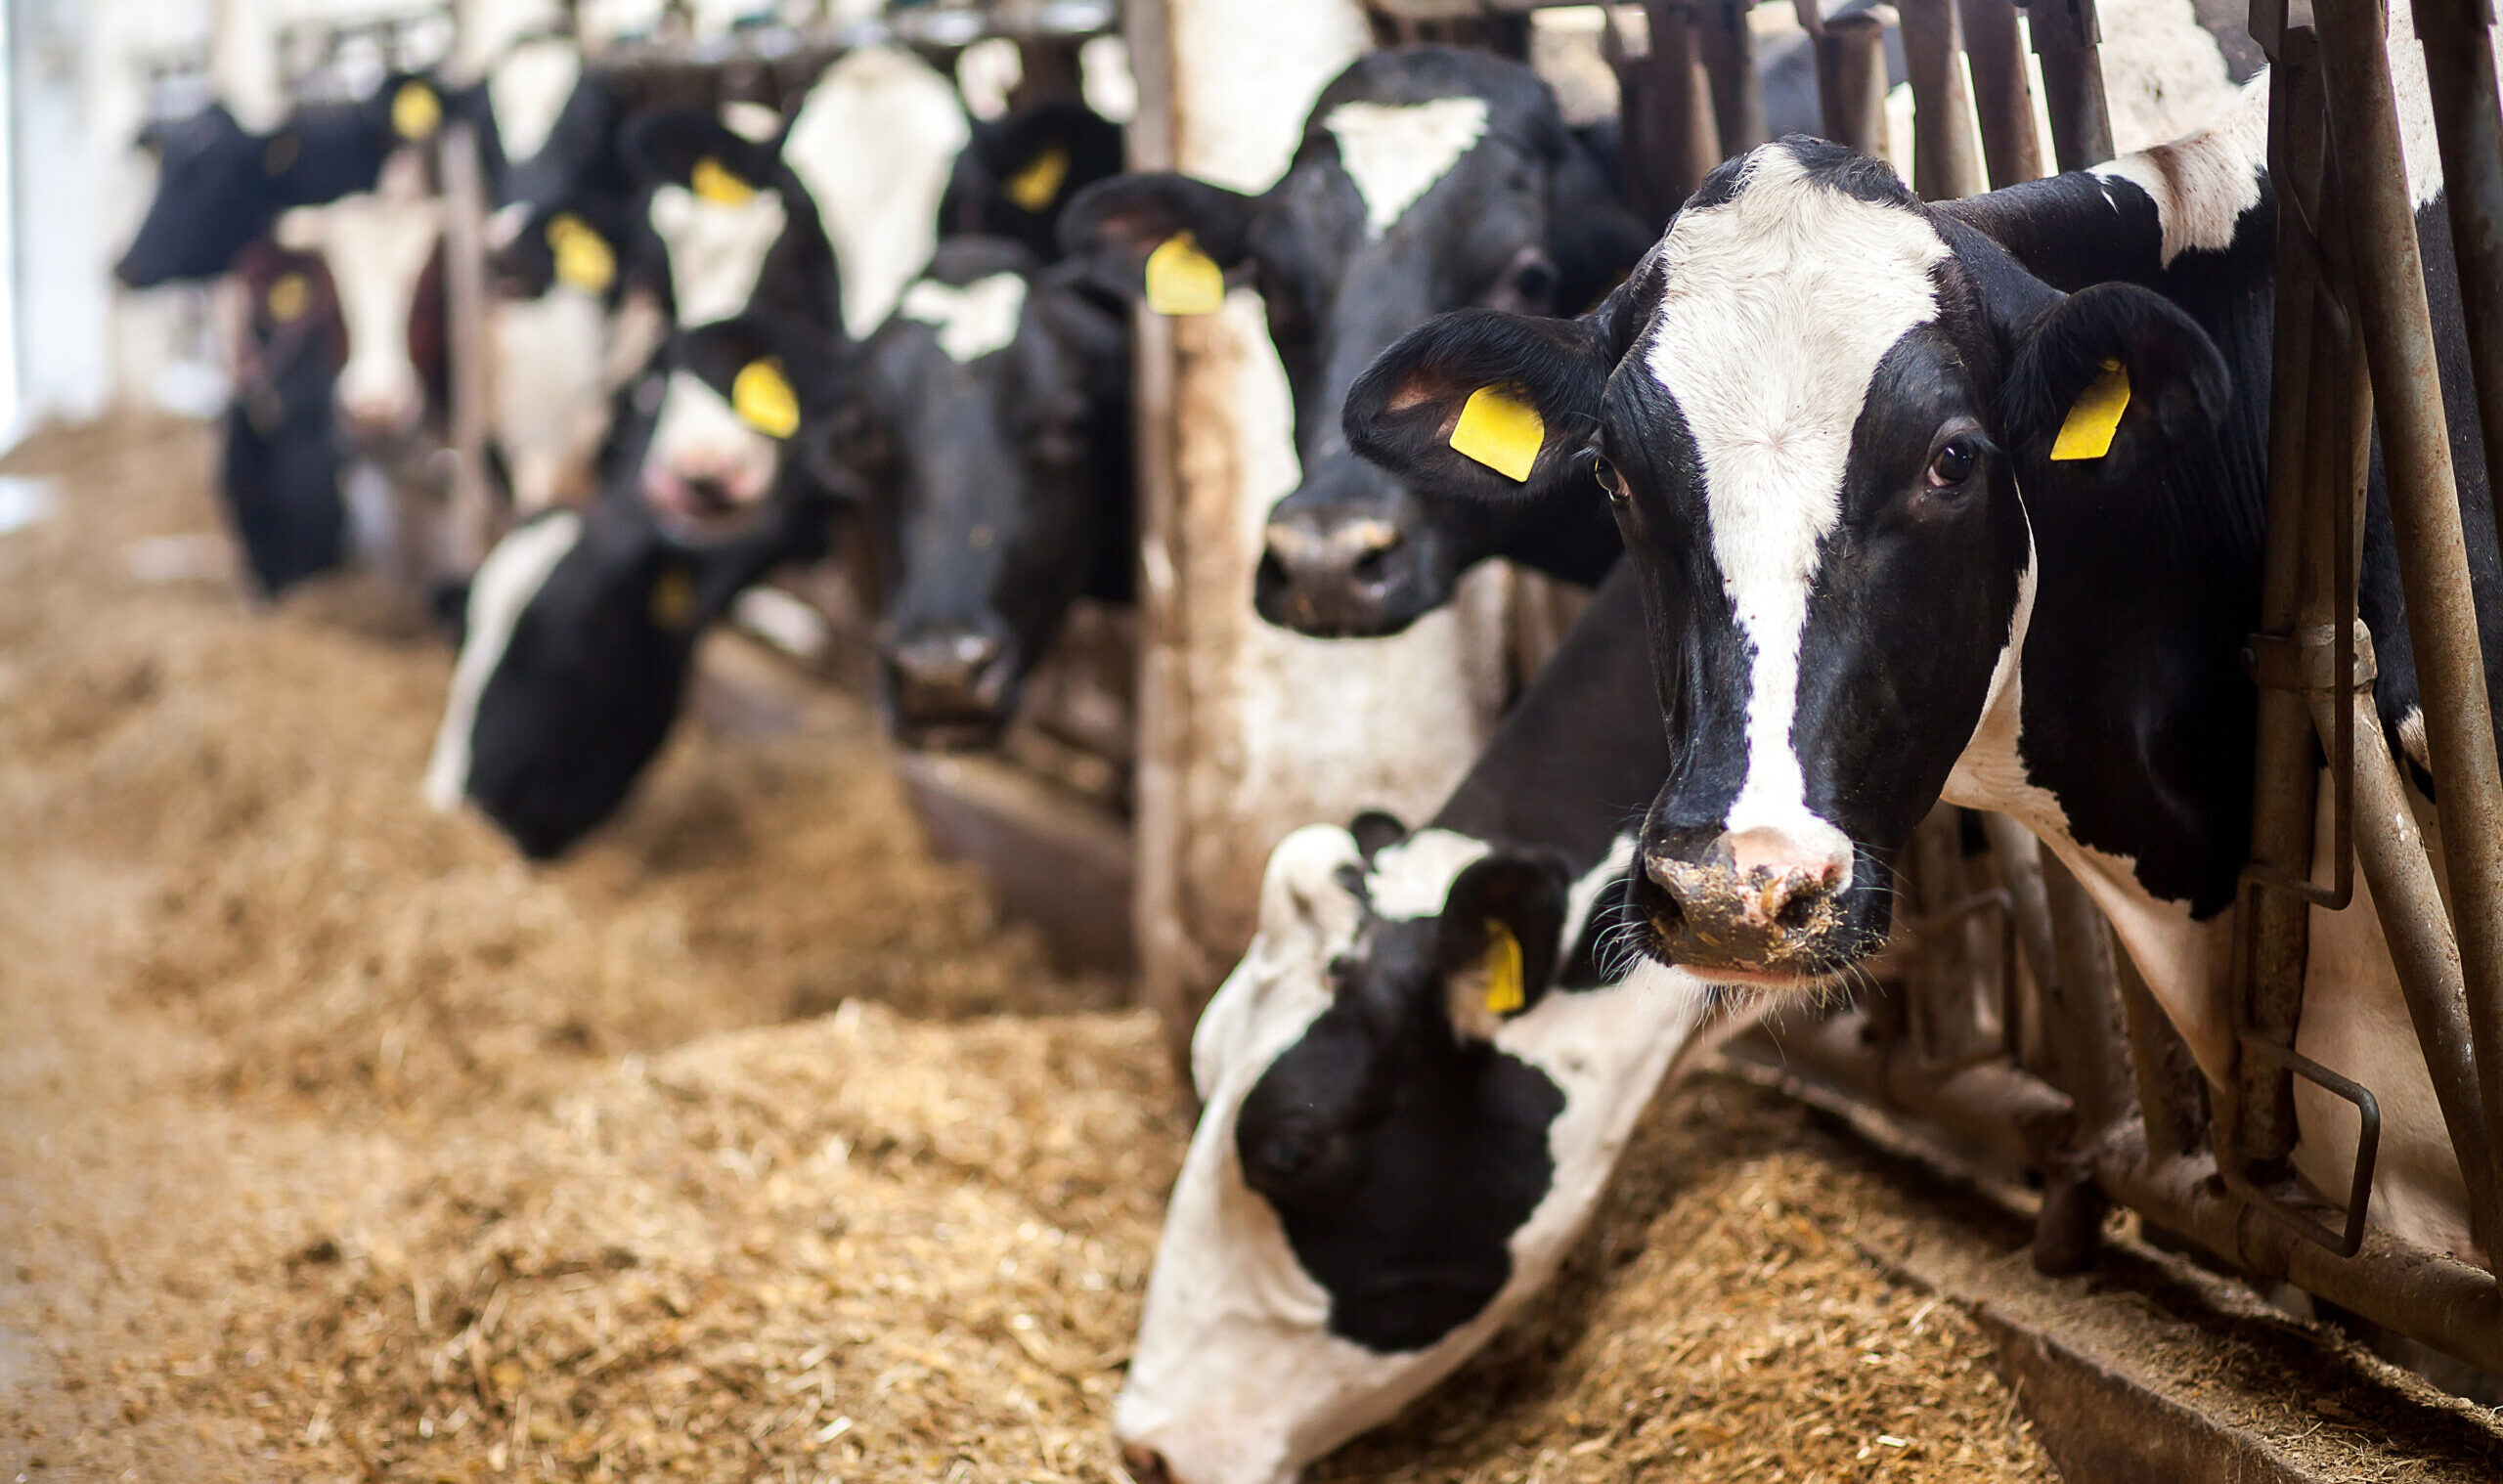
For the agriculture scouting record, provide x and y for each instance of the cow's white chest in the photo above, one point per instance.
(974, 321)
(1396, 153)
(717, 250)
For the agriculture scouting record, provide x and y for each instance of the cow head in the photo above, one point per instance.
(1429, 178)
(1818, 410)
(988, 426)
(1019, 170)
(760, 348)
(1408, 1120)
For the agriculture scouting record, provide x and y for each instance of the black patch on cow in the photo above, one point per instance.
(1400, 1158)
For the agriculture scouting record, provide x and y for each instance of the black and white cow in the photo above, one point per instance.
(220, 186)
(1417, 1083)
(1824, 416)
(581, 630)
(1428, 177)
(279, 469)
(1018, 172)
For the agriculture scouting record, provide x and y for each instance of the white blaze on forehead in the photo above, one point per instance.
(528, 91)
(1777, 307)
(716, 251)
(700, 435)
(973, 322)
(505, 582)
(549, 409)
(1395, 152)
(874, 144)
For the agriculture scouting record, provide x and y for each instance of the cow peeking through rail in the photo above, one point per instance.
(1963, 502)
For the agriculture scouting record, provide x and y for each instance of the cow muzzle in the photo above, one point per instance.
(1760, 907)
(1357, 575)
(949, 685)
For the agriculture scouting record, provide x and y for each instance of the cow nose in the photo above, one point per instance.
(380, 414)
(948, 675)
(1146, 1465)
(1336, 576)
(1758, 899)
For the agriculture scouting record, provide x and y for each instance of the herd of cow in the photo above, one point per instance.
(1919, 502)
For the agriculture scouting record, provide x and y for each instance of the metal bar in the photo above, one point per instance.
(2271, 937)
(2425, 515)
(1853, 52)
(2066, 33)
(464, 290)
(1945, 164)
(1671, 142)
(2468, 122)
(2003, 92)
(1729, 51)
(2400, 875)
(2005, 1112)
(2152, 1039)
(2020, 868)
(2078, 1004)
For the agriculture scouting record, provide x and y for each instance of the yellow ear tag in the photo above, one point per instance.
(713, 182)
(1500, 433)
(584, 258)
(763, 398)
(673, 598)
(289, 297)
(2097, 416)
(1505, 992)
(416, 111)
(1181, 279)
(1034, 188)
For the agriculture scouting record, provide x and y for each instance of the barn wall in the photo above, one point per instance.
(1253, 731)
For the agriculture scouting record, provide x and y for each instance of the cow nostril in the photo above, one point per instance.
(1374, 567)
(1146, 1465)
(1795, 914)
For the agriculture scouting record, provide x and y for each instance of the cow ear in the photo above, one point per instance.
(1375, 831)
(1111, 228)
(694, 149)
(1501, 932)
(2115, 376)
(1486, 406)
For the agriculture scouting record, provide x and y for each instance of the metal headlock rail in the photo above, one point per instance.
(2014, 1029)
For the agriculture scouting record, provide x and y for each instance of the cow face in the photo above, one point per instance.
(759, 304)
(1428, 179)
(1406, 1127)
(379, 245)
(988, 428)
(1814, 410)
(1018, 171)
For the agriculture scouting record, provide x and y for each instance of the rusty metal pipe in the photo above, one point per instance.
(1945, 164)
(2003, 92)
(2020, 868)
(1851, 76)
(2468, 122)
(1728, 52)
(2425, 515)
(2066, 33)
(2011, 1115)
(2409, 904)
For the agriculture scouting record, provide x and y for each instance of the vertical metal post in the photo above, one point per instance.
(2066, 33)
(2425, 515)
(1851, 79)
(1670, 139)
(2003, 92)
(1729, 51)
(464, 292)
(1945, 165)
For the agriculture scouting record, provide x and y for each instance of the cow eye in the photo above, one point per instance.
(1285, 1154)
(1611, 482)
(1954, 463)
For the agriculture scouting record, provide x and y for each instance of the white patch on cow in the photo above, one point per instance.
(376, 245)
(2412, 741)
(973, 322)
(2202, 185)
(1776, 308)
(715, 250)
(528, 91)
(549, 407)
(1235, 1378)
(1395, 152)
(874, 144)
(505, 582)
(699, 435)
(754, 122)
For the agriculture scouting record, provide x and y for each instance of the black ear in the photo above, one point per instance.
(1111, 227)
(1524, 895)
(1375, 831)
(666, 149)
(2178, 387)
(1402, 411)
